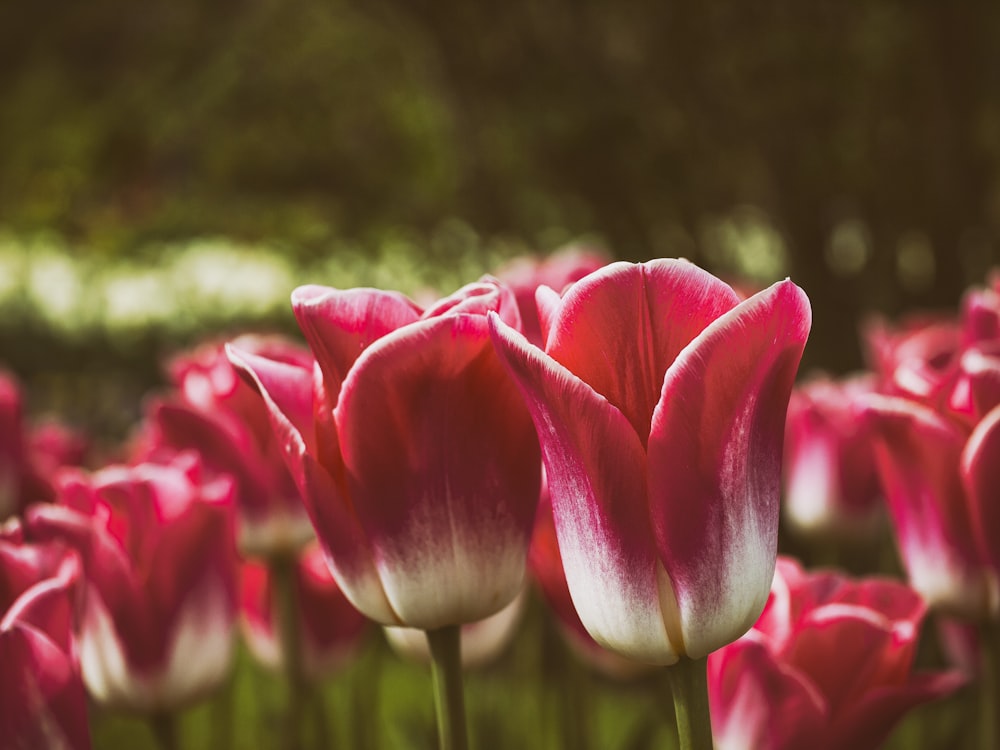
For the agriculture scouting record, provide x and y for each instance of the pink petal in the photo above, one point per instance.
(287, 392)
(918, 454)
(547, 301)
(619, 328)
(595, 467)
(981, 477)
(443, 468)
(340, 323)
(715, 452)
(758, 703)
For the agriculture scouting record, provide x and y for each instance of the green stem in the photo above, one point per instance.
(446, 662)
(285, 592)
(163, 725)
(989, 686)
(689, 685)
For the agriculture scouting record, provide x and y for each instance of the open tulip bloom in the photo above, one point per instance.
(660, 405)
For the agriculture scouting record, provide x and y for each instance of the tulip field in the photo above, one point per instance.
(542, 501)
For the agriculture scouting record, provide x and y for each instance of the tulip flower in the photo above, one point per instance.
(660, 404)
(216, 414)
(827, 666)
(331, 629)
(411, 448)
(159, 559)
(42, 700)
(831, 486)
(30, 457)
(415, 457)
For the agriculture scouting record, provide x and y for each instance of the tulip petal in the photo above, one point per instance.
(918, 455)
(758, 703)
(443, 467)
(287, 392)
(715, 452)
(340, 323)
(619, 328)
(595, 467)
(981, 476)
(547, 301)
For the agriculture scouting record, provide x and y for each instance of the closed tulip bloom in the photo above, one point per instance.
(331, 628)
(42, 700)
(159, 558)
(660, 405)
(412, 449)
(828, 666)
(215, 413)
(831, 486)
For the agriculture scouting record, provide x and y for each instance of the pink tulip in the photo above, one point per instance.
(29, 458)
(412, 450)
(159, 560)
(827, 666)
(216, 414)
(660, 404)
(42, 701)
(831, 487)
(331, 629)
(940, 480)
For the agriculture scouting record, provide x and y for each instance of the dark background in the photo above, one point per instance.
(864, 136)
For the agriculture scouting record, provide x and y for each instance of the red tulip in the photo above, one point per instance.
(412, 449)
(42, 701)
(827, 666)
(160, 564)
(660, 405)
(331, 629)
(220, 417)
(831, 486)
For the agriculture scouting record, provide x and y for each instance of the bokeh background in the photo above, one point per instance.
(172, 168)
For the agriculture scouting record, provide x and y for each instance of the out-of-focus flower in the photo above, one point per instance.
(331, 629)
(29, 458)
(525, 274)
(412, 449)
(159, 558)
(42, 700)
(220, 417)
(827, 666)
(831, 486)
(660, 404)
(482, 641)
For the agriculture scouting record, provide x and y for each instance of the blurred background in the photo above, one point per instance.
(173, 168)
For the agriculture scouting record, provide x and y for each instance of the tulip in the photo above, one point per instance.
(415, 457)
(411, 448)
(831, 486)
(159, 558)
(660, 405)
(331, 629)
(216, 414)
(828, 665)
(42, 700)
(29, 458)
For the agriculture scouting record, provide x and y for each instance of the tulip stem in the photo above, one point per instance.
(163, 725)
(285, 592)
(446, 662)
(989, 685)
(689, 685)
